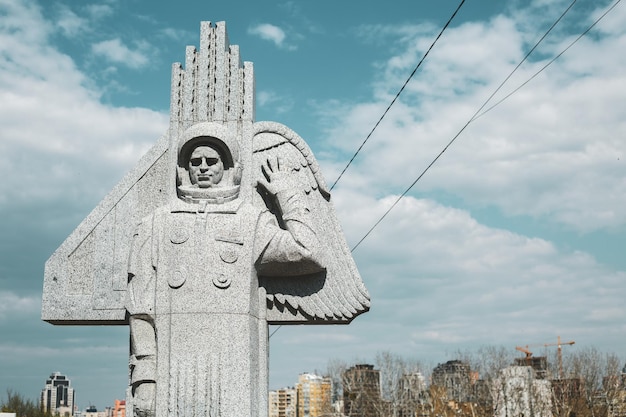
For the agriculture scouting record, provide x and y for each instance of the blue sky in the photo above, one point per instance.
(516, 235)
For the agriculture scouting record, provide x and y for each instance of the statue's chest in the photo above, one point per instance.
(205, 262)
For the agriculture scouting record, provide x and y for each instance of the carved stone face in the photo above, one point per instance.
(206, 168)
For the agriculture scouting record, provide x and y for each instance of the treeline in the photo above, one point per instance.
(22, 407)
(491, 381)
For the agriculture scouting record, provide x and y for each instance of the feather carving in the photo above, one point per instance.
(336, 295)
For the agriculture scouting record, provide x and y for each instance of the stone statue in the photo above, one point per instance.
(225, 226)
(193, 274)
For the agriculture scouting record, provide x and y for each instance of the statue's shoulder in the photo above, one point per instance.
(253, 210)
(147, 225)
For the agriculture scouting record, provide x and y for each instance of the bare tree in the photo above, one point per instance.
(390, 387)
(591, 384)
(403, 384)
(500, 388)
(488, 389)
(355, 388)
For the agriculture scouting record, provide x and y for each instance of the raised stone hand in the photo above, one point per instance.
(277, 174)
(279, 181)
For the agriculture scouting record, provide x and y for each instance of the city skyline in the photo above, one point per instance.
(454, 376)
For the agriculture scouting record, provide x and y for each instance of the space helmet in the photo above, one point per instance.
(216, 137)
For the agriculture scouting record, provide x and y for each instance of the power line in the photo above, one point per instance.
(398, 94)
(550, 62)
(275, 330)
(477, 113)
(389, 107)
(556, 22)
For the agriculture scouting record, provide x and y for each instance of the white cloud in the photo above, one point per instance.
(24, 20)
(177, 34)
(552, 151)
(69, 22)
(117, 52)
(12, 304)
(72, 24)
(441, 282)
(272, 33)
(437, 268)
(99, 11)
(392, 35)
(268, 32)
(62, 150)
(274, 102)
(81, 351)
(51, 120)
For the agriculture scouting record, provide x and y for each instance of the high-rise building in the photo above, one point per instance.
(361, 392)
(119, 409)
(282, 403)
(455, 379)
(313, 396)
(57, 397)
(517, 392)
(538, 363)
(412, 394)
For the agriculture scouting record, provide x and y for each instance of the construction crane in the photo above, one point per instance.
(558, 352)
(559, 344)
(528, 353)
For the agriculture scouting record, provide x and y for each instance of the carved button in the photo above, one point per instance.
(221, 281)
(229, 255)
(179, 235)
(178, 278)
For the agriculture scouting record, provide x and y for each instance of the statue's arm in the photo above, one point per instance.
(294, 249)
(141, 271)
(139, 304)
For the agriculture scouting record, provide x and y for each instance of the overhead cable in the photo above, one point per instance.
(549, 63)
(391, 104)
(275, 330)
(476, 116)
(464, 127)
(398, 94)
(520, 63)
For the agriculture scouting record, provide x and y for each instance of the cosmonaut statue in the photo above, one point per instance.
(193, 275)
(224, 227)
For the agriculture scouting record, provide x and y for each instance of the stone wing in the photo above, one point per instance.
(336, 295)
